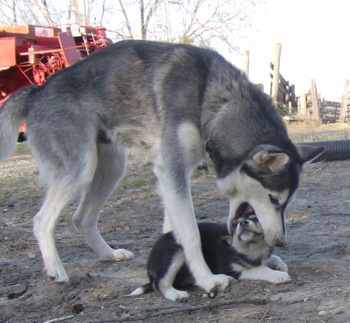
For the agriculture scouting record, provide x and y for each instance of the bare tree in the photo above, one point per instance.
(44, 9)
(147, 10)
(187, 21)
(206, 20)
(147, 16)
(126, 17)
(8, 11)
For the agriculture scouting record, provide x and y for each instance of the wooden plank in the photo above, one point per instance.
(245, 67)
(276, 74)
(303, 105)
(281, 78)
(314, 100)
(344, 103)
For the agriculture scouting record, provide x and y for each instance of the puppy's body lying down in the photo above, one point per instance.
(242, 255)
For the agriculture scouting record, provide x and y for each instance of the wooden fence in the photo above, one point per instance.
(285, 98)
(281, 91)
(312, 105)
(307, 105)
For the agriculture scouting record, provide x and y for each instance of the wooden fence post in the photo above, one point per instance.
(302, 105)
(344, 103)
(246, 62)
(314, 100)
(276, 74)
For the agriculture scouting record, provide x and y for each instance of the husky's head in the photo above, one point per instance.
(265, 183)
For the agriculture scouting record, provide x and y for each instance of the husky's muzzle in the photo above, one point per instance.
(271, 223)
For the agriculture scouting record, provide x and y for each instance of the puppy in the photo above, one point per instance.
(242, 255)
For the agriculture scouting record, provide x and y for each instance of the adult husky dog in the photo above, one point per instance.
(178, 102)
(244, 254)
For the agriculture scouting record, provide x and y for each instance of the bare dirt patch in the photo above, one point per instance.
(318, 254)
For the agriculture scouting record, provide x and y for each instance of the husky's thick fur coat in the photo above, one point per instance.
(179, 103)
(244, 254)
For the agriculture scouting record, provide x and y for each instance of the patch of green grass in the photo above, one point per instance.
(204, 169)
(320, 136)
(5, 199)
(22, 149)
(133, 182)
(21, 189)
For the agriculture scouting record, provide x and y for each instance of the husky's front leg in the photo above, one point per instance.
(179, 210)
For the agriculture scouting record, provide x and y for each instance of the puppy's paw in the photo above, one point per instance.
(175, 295)
(280, 277)
(276, 263)
(122, 254)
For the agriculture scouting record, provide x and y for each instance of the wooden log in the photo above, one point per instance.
(344, 103)
(314, 101)
(276, 74)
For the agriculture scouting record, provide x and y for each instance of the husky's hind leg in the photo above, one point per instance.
(44, 225)
(111, 161)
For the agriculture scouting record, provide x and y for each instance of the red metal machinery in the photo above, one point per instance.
(30, 54)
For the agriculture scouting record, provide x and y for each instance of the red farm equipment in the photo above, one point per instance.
(30, 54)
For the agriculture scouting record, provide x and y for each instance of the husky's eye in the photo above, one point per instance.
(273, 199)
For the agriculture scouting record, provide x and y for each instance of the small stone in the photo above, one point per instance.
(31, 255)
(77, 308)
(322, 313)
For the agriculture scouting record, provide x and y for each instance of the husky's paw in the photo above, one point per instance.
(215, 283)
(122, 254)
(280, 277)
(175, 295)
(276, 263)
(58, 275)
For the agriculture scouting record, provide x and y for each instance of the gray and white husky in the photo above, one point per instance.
(179, 103)
(243, 254)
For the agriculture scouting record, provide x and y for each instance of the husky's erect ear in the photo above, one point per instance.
(308, 153)
(270, 158)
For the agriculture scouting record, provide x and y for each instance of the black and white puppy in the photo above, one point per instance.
(242, 255)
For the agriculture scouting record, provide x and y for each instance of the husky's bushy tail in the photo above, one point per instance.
(12, 114)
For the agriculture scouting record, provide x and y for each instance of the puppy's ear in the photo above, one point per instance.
(308, 153)
(268, 158)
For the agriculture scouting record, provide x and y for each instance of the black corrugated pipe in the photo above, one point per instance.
(334, 150)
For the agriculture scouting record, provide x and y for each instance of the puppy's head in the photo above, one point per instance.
(248, 236)
(247, 230)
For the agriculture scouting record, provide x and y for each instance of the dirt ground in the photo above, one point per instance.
(318, 253)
